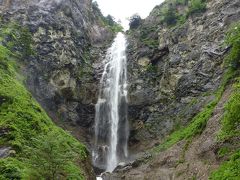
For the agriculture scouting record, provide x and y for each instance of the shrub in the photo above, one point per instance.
(231, 120)
(17, 39)
(27, 125)
(134, 21)
(170, 15)
(182, 2)
(49, 155)
(196, 6)
(233, 40)
(229, 170)
(107, 21)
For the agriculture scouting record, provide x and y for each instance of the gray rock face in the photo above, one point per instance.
(68, 38)
(5, 152)
(171, 80)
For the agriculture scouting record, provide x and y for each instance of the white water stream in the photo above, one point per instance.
(111, 124)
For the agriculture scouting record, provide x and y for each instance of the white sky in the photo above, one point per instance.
(122, 9)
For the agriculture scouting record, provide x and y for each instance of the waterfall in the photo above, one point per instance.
(111, 124)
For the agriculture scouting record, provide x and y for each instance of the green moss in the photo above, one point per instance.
(231, 121)
(152, 43)
(195, 127)
(223, 151)
(144, 37)
(233, 40)
(229, 170)
(25, 123)
(16, 38)
(152, 68)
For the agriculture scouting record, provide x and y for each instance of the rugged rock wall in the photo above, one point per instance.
(173, 70)
(69, 36)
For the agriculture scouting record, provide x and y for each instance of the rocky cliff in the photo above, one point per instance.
(173, 69)
(181, 92)
(69, 36)
(68, 39)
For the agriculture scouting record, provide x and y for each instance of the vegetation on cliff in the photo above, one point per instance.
(173, 12)
(230, 131)
(38, 149)
(198, 123)
(107, 21)
(231, 120)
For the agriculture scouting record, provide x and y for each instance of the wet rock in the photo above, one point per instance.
(5, 152)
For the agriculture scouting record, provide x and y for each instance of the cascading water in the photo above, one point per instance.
(111, 124)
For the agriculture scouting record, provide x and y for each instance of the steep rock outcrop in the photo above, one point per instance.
(69, 36)
(183, 160)
(174, 70)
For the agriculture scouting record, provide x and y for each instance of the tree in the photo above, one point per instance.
(135, 21)
(95, 4)
(49, 155)
(110, 20)
(196, 6)
(170, 15)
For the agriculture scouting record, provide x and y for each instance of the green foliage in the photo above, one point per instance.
(231, 121)
(151, 68)
(144, 37)
(116, 28)
(229, 170)
(11, 168)
(170, 15)
(28, 128)
(152, 43)
(182, 19)
(233, 40)
(196, 6)
(16, 38)
(50, 155)
(223, 151)
(182, 2)
(107, 21)
(195, 127)
(135, 21)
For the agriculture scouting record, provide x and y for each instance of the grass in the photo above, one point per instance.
(229, 170)
(24, 123)
(233, 40)
(196, 6)
(231, 120)
(198, 124)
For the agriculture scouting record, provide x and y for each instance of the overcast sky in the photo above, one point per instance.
(122, 9)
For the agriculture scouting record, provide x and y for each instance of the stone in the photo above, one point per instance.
(5, 152)
(144, 61)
